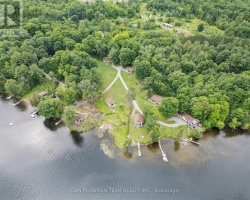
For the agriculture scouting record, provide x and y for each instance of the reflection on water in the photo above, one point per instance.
(42, 161)
(177, 146)
(77, 138)
(127, 154)
(51, 124)
(154, 147)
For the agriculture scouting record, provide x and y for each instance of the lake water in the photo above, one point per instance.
(43, 161)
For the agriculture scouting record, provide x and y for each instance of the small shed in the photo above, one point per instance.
(106, 59)
(129, 69)
(42, 94)
(138, 120)
(156, 99)
(110, 101)
(168, 25)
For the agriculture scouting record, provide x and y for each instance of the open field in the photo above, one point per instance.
(108, 74)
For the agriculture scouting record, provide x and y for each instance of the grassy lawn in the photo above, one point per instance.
(141, 95)
(108, 74)
(117, 116)
(39, 88)
(120, 134)
(137, 133)
(175, 133)
(171, 122)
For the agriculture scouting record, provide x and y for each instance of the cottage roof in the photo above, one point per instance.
(106, 59)
(156, 98)
(110, 101)
(138, 118)
(187, 116)
(129, 69)
(81, 116)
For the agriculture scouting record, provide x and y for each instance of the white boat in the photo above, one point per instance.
(165, 159)
(33, 113)
(11, 124)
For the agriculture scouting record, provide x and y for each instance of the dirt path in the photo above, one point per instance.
(137, 107)
(61, 84)
(112, 83)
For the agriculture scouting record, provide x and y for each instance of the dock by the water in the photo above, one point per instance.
(17, 103)
(139, 149)
(58, 122)
(191, 140)
(164, 156)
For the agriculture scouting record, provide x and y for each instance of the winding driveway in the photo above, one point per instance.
(178, 122)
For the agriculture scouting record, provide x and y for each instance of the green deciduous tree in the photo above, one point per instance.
(142, 68)
(50, 108)
(13, 88)
(127, 56)
(69, 115)
(169, 106)
(201, 27)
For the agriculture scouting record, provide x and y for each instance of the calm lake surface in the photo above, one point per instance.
(43, 161)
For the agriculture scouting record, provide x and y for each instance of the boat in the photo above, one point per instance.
(165, 159)
(100, 135)
(11, 124)
(33, 113)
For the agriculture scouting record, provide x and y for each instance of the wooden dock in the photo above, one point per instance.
(17, 103)
(58, 122)
(139, 149)
(164, 156)
(191, 140)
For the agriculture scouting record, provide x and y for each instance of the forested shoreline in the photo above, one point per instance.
(198, 72)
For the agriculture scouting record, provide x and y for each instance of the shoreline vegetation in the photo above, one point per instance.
(152, 60)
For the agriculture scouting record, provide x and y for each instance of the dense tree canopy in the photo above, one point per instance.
(208, 74)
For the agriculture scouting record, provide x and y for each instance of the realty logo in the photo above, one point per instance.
(10, 16)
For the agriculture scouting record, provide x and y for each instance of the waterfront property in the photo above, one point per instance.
(110, 101)
(189, 119)
(80, 118)
(156, 99)
(138, 120)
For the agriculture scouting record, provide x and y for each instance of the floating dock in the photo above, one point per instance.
(164, 156)
(17, 103)
(33, 113)
(139, 149)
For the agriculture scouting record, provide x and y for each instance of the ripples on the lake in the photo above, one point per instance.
(42, 161)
